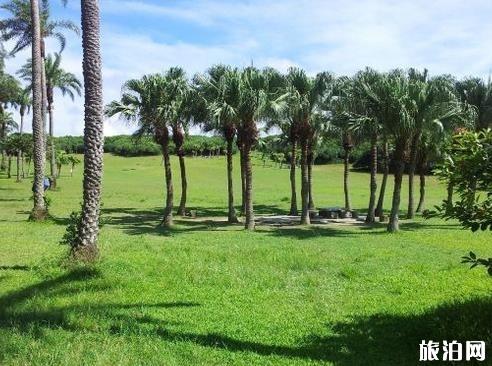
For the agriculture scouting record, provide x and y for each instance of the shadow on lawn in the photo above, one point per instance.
(382, 339)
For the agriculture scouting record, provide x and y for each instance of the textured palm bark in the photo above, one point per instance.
(19, 152)
(310, 162)
(393, 225)
(44, 102)
(184, 186)
(248, 171)
(411, 176)
(380, 207)
(293, 193)
(163, 138)
(231, 216)
(85, 247)
(346, 183)
(421, 205)
(39, 211)
(243, 182)
(371, 214)
(305, 220)
(9, 166)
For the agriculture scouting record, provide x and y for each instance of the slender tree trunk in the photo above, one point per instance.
(310, 162)
(393, 225)
(371, 215)
(346, 165)
(9, 166)
(305, 219)
(231, 217)
(243, 182)
(449, 199)
(411, 176)
(248, 172)
(39, 211)
(43, 90)
(71, 171)
(293, 193)
(53, 172)
(382, 191)
(19, 151)
(167, 220)
(86, 246)
(184, 186)
(58, 170)
(421, 206)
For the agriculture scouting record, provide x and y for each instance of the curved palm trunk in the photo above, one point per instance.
(380, 207)
(371, 214)
(248, 172)
(411, 176)
(86, 246)
(293, 193)
(346, 165)
(53, 171)
(231, 216)
(184, 186)
(19, 152)
(421, 206)
(39, 211)
(167, 220)
(305, 220)
(310, 162)
(393, 224)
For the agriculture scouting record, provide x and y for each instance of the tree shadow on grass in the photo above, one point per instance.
(381, 339)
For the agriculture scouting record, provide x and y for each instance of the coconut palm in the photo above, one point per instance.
(56, 79)
(143, 102)
(217, 90)
(303, 98)
(85, 246)
(9, 88)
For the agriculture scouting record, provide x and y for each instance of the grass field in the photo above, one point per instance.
(206, 293)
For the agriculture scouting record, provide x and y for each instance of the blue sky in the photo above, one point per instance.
(138, 37)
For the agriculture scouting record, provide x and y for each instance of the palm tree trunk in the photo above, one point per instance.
(86, 246)
(421, 206)
(43, 86)
(231, 217)
(19, 151)
(39, 211)
(382, 191)
(167, 220)
(293, 193)
(52, 151)
(243, 182)
(411, 176)
(393, 225)
(346, 165)
(371, 215)
(305, 219)
(248, 172)
(9, 166)
(310, 162)
(184, 186)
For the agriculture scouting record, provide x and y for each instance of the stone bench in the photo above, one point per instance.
(337, 213)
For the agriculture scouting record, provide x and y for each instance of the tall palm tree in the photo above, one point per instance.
(56, 79)
(85, 248)
(144, 102)
(23, 103)
(217, 90)
(478, 93)
(303, 98)
(39, 211)
(9, 88)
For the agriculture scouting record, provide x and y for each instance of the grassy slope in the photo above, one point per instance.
(213, 294)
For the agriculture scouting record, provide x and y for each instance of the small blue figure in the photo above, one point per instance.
(46, 183)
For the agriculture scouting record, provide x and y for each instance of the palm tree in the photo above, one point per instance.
(23, 103)
(144, 102)
(478, 93)
(56, 78)
(39, 211)
(85, 247)
(217, 90)
(302, 101)
(9, 88)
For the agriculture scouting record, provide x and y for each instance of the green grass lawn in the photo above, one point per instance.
(206, 293)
